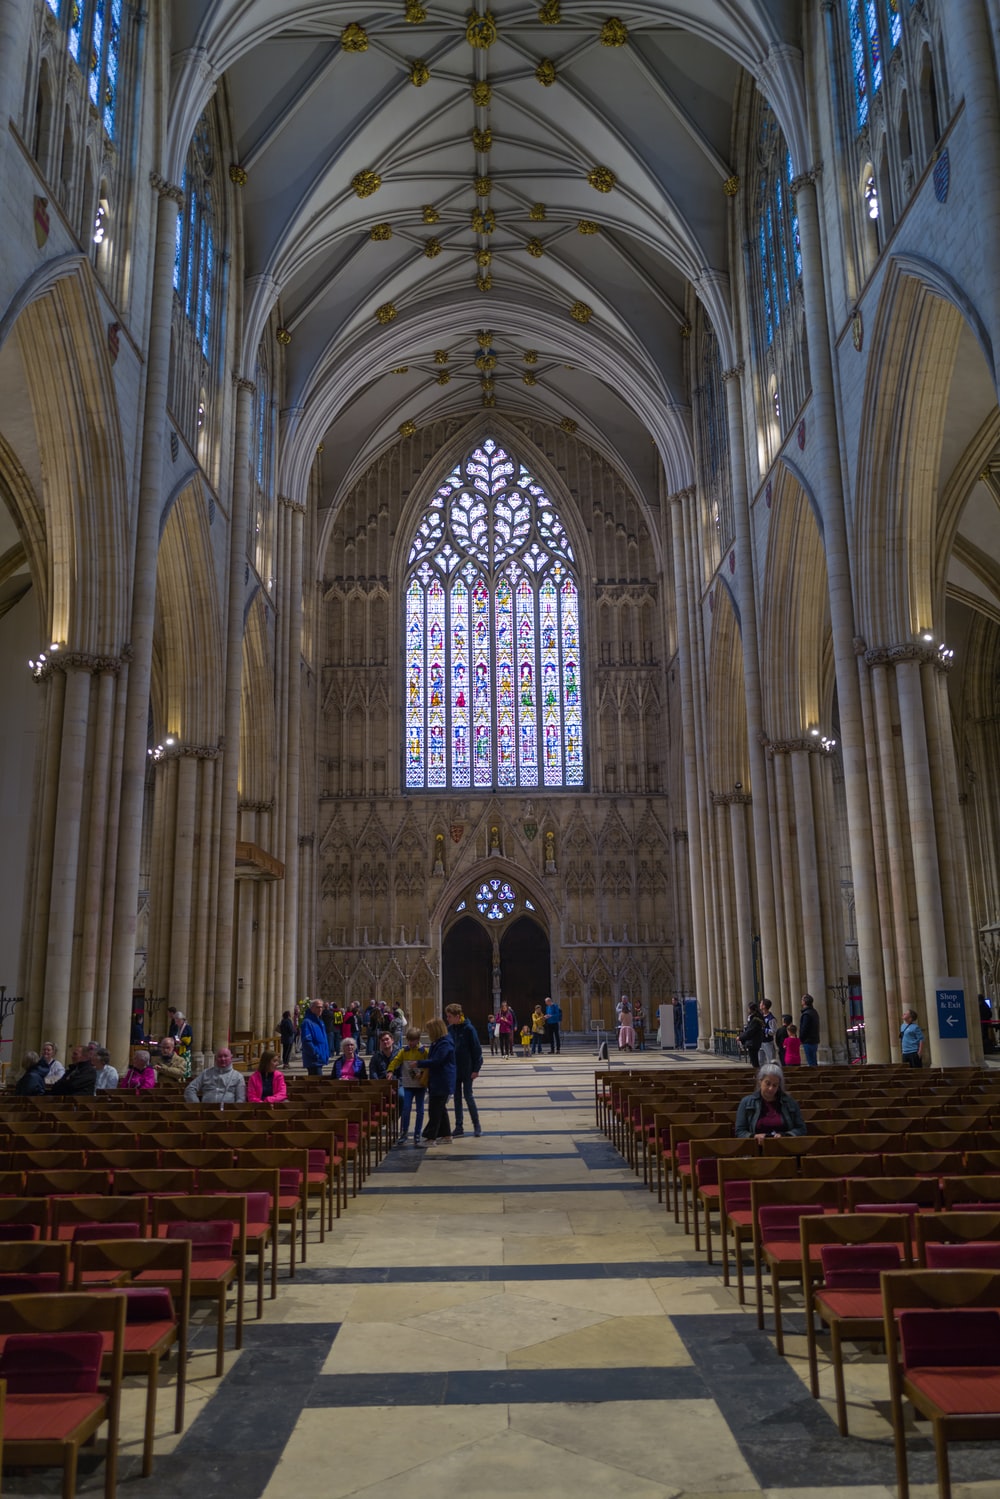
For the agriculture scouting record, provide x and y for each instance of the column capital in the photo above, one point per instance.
(808, 745)
(181, 751)
(85, 661)
(805, 179)
(289, 504)
(242, 383)
(243, 806)
(680, 835)
(731, 798)
(680, 495)
(734, 373)
(897, 655)
(166, 189)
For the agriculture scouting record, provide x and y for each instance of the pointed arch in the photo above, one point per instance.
(257, 713)
(795, 624)
(187, 644)
(729, 759)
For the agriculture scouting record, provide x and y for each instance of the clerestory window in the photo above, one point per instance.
(493, 696)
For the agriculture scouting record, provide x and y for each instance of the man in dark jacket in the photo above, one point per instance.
(809, 1030)
(468, 1065)
(80, 1076)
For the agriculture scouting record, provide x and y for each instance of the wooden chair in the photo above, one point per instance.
(293, 1190)
(735, 1206)
(68, 1214)
(945, 1361)
(888, 1194)
(123, 1160)
(72, 1183)
(777, 1208)
(154, 1183)
(39, 1258)
(327, 1150)
(705, 1158)
(681, 1136)
(51, 1365)
(954, 1230)
(854, 1249)
(218, 1258)
(147, 1266)
(20, 1213)
(262, 1226)
(840, 1166)
(972, 1193)
(925, 1163)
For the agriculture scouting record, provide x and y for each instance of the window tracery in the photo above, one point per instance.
(712, 430)
(492, 632)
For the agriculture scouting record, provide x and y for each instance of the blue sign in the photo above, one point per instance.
(952, 1024)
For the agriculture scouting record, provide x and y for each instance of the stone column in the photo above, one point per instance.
(147, 541)
(290, 972)
(708, 1000)
(229, 780)
(738, 803)
(790, 891)
(205, 879)
(822, 424)
(15, 32)
(810, 905)
(896, 852)
(66, 857)
(684, 648)
(183, 837)
(97, 853)
(746, 585)
(728, 997)
(923, 833)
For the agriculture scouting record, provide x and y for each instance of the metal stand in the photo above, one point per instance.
(8, 1004)
(597, 1026)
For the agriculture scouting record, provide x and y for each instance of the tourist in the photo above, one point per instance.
(267, 1083)
(378, 1067)
(752, 1035)
(553, 1020)
(809, 1030)
(349, 1067)
(220, 1084)
(468, 1065)
(31, 1083)
(791, 1047)
(80, 1077)
(769, 1112)
(537, 1030)
(505, 1029)
(408, 1066)
(315, 1040)
(440, 1082)
(51, 1067)
(911, 1040)
(138, 1075)
(107, 1076)
(626, 1033)
(286, 1033)
(166, 1062)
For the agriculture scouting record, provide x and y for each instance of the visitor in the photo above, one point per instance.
(468, 1065)
(768, 1112)
(315, 1040)
(408, 1066)
(220, 1084)
(138, 1075)
(267, 1084)
(809, 1031)
(440, 1082)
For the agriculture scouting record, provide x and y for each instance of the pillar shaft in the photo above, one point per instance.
(744, 905)
(896, 860)
(66, 860)
(234, 680)
(811, 915)
(923, 834)
(147, 539)
(746, 584)
(684, 650)
(290, 975)
(829, 484)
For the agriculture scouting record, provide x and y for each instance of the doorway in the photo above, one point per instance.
(525, 967)
(467, 969)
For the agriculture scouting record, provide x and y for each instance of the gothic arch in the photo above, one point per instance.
(728, 758)
(62, 346)
(257, 713)
(795, 627)
(910, 424)
(187, 652)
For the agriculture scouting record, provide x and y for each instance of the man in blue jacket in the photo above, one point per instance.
(553, 1020)
(315, 1043)
(468, 1065)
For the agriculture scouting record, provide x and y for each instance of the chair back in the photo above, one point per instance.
(888, 1193)
(956, 1337)
(857, 1267)
(972, 1255)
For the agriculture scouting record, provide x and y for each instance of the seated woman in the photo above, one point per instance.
(140, 1074)
(349, 1066)
(770, 1111)
(267, 1084)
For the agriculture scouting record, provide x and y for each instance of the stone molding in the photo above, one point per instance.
(731, 798)
(808, 178)
(166, 189)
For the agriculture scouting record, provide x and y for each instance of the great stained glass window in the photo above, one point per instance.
(492, 655)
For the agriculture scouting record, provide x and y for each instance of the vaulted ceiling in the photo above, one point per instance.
(553, 174)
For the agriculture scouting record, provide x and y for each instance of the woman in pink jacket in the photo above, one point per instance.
(267, 1084)
(139, 1074)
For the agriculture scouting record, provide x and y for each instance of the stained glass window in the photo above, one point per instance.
(495, 899)
(93, 40)
(778, 245)
(875, 26)
(493, 681)
(194, 247)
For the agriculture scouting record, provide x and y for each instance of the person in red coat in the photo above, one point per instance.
(267, 1084)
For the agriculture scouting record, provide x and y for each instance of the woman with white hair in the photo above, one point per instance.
(770, 1112)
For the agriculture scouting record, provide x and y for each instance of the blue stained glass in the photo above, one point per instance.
(206, 295)
(179, 241)
(53, 6)
(111, 68)
(874, 45)
(74, 35)
(96, 49)
(895, 23)
(859, 62)
(765, 284)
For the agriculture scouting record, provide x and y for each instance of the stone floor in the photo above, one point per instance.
(515, 1315)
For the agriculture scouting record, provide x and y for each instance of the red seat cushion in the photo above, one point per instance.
(970, 1391)
(47, 1418)
(859, 1305)
(855, 1267)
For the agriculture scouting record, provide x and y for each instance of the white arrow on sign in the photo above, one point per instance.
(951, 1020)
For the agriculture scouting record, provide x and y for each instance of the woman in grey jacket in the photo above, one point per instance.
(770, 1112)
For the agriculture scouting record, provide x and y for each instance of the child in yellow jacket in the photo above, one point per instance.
(403, 1068)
